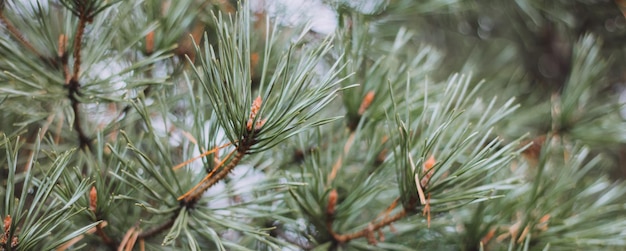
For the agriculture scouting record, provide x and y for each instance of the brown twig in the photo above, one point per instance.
(74, 85)
(105, 238)
(17, 35)
(80, 31)
(136, 234)
(159, 229)
(212, 178)
(193, 195)
(129, 240)
(242, 146)
(375, 226)
(84, 141)
(214, 150)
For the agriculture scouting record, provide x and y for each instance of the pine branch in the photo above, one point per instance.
(405, 148)
(253, 125)
(74, 84)
(78, 38)
(83, 140)
(193, 195)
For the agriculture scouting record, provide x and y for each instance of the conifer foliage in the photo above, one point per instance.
(215, 125)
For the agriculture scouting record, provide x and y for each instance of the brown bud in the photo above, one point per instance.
(4, 238)
(62, 45)
(332, 202)
(7, 223)
(93, 199)
(367, 101)
(427, 170)
(256, 106)
(150, 42)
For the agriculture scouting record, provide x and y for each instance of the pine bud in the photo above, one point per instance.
(150, 42)
(4, 238)
(367, 101)
(93, 199)
(62, 45)
(427, 170)
(332, 202)
(256, 106)
(7, 223)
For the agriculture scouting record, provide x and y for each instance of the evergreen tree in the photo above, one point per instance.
(215, 125)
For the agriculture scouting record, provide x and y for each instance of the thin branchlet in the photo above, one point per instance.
(374, 226)
(73, 83)
(192, 196)
(253, 125)
(17, 34)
